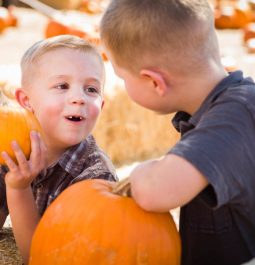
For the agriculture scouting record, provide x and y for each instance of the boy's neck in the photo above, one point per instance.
(53, 156)
(195, 89)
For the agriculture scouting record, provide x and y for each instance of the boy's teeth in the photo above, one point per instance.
(76, 118)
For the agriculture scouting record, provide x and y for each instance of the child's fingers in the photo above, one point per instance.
(21, 159)
(43, 149)
(35, 155)
(42, 144)
(9, 162)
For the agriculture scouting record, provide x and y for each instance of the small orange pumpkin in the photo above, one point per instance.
(15, 124)
(90, 224)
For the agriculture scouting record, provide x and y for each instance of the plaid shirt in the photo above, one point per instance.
(83, 161)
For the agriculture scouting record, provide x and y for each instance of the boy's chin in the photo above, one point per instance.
(67, 143)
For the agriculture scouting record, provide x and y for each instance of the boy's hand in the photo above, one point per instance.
(21, 175)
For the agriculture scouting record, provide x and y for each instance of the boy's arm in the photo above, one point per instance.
(161, 185)
(20, 200)
(24, 217)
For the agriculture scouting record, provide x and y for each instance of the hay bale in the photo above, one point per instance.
(128, 132)
(9, 254)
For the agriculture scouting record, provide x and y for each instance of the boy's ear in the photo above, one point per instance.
(102, 105)
(157, 79)
(22, 98)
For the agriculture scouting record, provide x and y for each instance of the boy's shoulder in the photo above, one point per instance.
(234, 89)
(87, 158)
(242, 92)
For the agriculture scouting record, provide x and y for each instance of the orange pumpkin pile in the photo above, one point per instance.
(90, 224)
(15, 124)
(237, 15)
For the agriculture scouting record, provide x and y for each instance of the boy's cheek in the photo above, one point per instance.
(95, 111)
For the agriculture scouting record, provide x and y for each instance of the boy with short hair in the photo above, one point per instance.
(167, 53)
(62, 84)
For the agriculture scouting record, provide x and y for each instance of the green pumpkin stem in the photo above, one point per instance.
(123, 188)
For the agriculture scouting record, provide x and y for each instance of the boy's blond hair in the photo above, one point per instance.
(34, 53)
(170, 33)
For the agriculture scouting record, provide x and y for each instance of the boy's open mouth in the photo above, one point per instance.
(74, 118)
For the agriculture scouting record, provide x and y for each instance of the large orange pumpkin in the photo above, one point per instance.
(15, 124)
(89, 224)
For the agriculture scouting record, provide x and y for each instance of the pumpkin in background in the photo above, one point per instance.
(250, 45)
(11, 19)
(2, 25)
(15, 124)
(53, 28)
(90, 224)
(233, 15)
(7, 18)
(92, 6)
(248, 32)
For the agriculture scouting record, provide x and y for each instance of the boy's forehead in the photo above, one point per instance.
(68, 55)
(59, 51)
(61, 60)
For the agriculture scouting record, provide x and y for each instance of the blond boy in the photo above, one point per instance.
(167, 53)
(62, 84)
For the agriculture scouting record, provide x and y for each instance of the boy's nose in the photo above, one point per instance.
(77, 97)
(78, 100)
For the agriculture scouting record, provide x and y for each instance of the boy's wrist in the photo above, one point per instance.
(17, 189)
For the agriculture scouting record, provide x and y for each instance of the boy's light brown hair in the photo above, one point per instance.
(171, 33)
(36, 51)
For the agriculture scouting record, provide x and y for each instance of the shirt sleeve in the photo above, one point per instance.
(98, 166)
(222, 148)
(3, 201)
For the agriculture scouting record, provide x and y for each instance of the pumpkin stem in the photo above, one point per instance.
(123, 188)
(5, 94)
(6, 91)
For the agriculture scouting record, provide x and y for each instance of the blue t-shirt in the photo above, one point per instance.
(218, 226)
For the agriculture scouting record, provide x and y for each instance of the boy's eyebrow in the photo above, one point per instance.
(95, 79)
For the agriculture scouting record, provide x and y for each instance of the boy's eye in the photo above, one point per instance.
(91, 89)
(62, 86)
